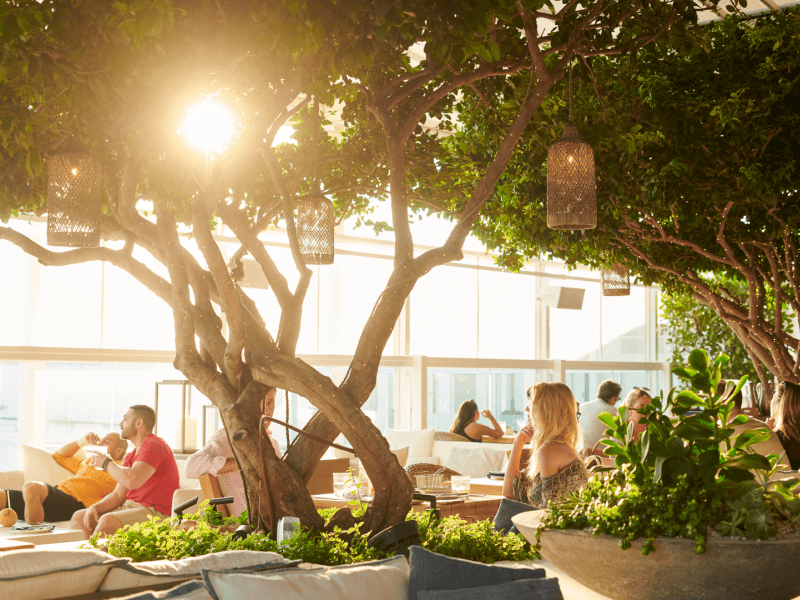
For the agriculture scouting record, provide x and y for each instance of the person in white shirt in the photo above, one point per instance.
(593, 428)
(216, 458)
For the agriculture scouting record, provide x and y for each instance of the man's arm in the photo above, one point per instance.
(132, 477)
(112, 501)
(72, 447)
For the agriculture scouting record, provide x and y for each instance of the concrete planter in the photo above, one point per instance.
(728, 570)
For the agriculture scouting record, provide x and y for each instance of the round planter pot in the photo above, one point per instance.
(728, 570)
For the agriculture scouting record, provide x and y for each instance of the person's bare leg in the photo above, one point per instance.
(108, 524)
(34, 493)
(77, 523)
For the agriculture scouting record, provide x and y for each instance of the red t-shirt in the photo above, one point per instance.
(156, 491)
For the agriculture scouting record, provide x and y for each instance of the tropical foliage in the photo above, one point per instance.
(684, 476)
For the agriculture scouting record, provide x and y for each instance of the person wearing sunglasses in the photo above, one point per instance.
(785, 420)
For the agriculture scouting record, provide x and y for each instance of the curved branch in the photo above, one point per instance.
(232, 365)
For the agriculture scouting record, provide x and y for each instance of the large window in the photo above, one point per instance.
(87, 341)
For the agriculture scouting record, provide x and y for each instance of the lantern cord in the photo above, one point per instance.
(570, 92)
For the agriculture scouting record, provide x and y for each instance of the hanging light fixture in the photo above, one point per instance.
(571, 202)
(74, 198)
(615, 280)
(315, 223)
(316, 219)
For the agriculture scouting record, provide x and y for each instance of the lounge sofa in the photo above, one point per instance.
(443, 448)
(40, 574)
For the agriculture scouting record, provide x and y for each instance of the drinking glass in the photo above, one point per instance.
(338, 484)
(459, 484)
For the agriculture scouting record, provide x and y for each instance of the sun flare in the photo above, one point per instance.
(208, 126)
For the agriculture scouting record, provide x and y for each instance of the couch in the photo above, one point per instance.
(40, 574)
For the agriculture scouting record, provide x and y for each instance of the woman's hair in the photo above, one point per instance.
(634, 395)
(786, 410)
(553, 417)
(466, 414)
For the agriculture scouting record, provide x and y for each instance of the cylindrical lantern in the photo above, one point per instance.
(615, 280)
(74, 199)
(315, 223)
(571, 202)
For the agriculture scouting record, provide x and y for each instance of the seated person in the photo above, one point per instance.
(635, 400)
(785, 421)
(767, 447)
(146, 480)
(593, 428)
(216, 458)
(556, 466)
(465, 423)
(38, 502)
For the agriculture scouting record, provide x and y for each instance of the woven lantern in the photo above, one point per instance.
(315, 223)
(615, 280)
(571, 202)
(74, 199)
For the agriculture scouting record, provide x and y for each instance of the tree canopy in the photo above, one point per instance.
(696, 146)
(116, 78)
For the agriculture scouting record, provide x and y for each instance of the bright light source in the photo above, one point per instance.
(208, 126)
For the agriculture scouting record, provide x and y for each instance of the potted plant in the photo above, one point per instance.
(709, 516)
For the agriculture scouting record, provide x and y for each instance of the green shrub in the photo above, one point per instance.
(687, 473)
(451, 536)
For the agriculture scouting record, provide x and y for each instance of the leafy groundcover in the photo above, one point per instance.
(206, 531)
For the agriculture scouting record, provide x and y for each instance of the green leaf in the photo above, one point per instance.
(699, 360)
(747, 461)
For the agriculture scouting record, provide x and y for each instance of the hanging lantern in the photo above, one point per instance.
(74, 199)
(315, 223)
(571, 202)
(615, 280)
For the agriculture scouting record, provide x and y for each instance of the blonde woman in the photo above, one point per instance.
(555, 466)
(785, 420)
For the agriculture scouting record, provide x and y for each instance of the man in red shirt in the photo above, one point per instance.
(145, 481)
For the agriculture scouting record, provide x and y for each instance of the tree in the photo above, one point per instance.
(116, 76)
(688, 323)
(696, 146)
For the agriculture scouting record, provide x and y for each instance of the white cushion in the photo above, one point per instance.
(163, 571)
(39, 574)
(377, 580)
(400, 453)
(185, 483)
(430, 460)
(475, 461)
(420, 443)
(39, 465)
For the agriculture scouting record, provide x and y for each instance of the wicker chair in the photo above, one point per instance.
(428, 469)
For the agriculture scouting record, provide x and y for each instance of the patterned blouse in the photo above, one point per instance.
(539, 491)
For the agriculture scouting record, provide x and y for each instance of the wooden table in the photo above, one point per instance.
(37, 539)
(473, 509)
(484, 485)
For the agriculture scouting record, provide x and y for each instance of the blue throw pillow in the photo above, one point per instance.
(506, 510)
(431, 571)
(546, 588)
